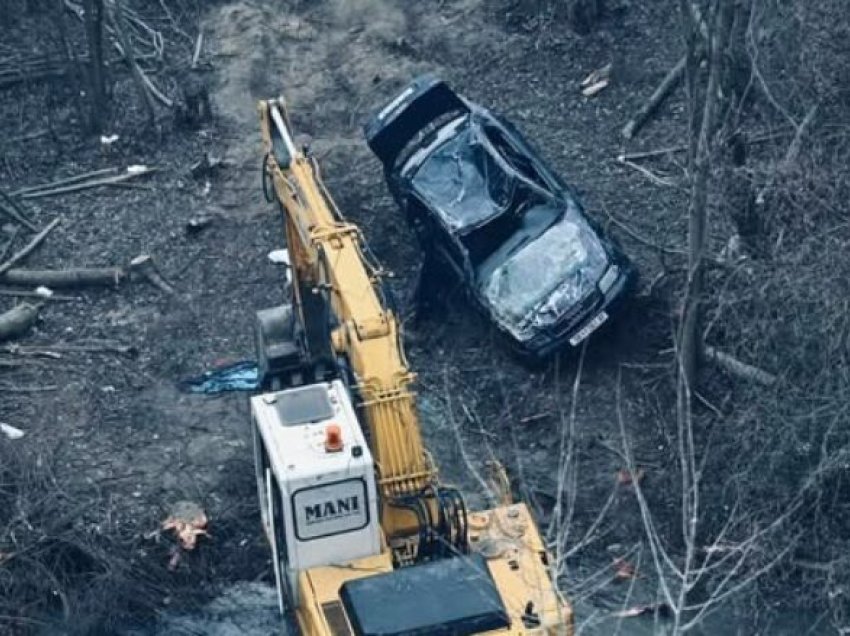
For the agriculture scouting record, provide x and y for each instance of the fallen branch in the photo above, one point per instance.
(670, 81)
(638, 237)
(647, 173)
(10, 243)
(116, 18)
(94, 183)
(34, 294)
(144, 266)
(659, 152)
(17, 320)
(11, 388)
(58, 278)
(54, 350)
(38, 134)
(29, 247)
(735, 367)
(785, 166)
(199, 43)
(14, 211)
(63, 182)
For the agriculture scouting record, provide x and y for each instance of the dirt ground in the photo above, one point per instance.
(118, 432)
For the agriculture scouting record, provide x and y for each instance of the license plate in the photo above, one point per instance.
(589, 328)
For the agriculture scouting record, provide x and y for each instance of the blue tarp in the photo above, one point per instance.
(240, 376)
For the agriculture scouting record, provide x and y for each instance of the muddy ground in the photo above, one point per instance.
(119, 435)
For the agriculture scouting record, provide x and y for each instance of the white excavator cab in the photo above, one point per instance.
(316, 482)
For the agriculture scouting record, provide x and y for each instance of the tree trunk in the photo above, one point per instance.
(97, 82)
(690, 341)
(583, 14)
(116, 17)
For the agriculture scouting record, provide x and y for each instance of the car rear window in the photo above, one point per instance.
(464, 182)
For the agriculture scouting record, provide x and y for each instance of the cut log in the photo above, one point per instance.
(17, 320)
(670, 81)
(59, 278)
(739, 369)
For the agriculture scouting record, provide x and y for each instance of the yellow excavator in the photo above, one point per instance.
(365, 539)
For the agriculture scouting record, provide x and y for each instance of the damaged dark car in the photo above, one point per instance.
(483, 203)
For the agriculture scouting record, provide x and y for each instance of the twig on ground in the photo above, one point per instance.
(29, 247)
(638, 237)
(670, 81)
(55, 350)
(647, 173)
(94, 183)
(14, 211)
(33, 294)
(62, 182)
(10, 243)
(11, 388)
(199, 44)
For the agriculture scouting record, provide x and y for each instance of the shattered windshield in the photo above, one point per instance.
(548, 275)
(463, 181)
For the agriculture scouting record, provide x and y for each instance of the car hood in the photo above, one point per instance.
(540, 281)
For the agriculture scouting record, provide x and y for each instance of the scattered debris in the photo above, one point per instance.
(11, 432)
(144, 266)
(626, 478)
(174, 560)
(623, 570)
(279, 256)
(198, 223)
(188, 521)
(595, 89)
(240, 376)
(18, 320)
(205, 166)
(29, 247)
(594, 83)
(660, 609)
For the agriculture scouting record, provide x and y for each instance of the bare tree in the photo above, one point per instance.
(96, 73)
(704, 123)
